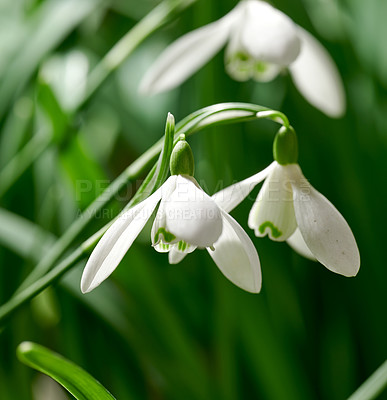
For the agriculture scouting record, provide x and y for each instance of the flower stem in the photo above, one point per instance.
(373, 386)
(153, 21)
(134, 171)
(43, 274)
(36, 287)
(276, 116)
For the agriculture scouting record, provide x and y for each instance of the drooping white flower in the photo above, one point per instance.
(187, 219)
(262, 42)
(289, 208)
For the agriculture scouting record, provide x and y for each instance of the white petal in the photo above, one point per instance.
(191, 215)
(273, 212)
(266, 72)
(228, 198)
(297, 243)
(186, 55)
(177, 253)
(325, 231)
(174, 256)
(162, 247)
(158, 232)
(236, 256)
(268, 35)
(317, 78)
(116, 242)
(238, 62)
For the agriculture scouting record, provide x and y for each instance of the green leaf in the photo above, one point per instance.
(73, 378)
(53, 111)
(22, 236)
(158, 174)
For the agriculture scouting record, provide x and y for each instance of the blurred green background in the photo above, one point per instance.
(160, 331)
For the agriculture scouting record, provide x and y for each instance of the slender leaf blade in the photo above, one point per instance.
(73, 378)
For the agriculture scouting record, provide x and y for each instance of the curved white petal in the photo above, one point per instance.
(162, 247)
(186, 55)
(174, 256)
(116, 242)
(324, 229)
(159, 236)
(273, 212)
(191, 215)
(297, 243)
(317, 78)
(177, 253)
(228, 198)
(268, 34)
(236, 256)
(266, 72)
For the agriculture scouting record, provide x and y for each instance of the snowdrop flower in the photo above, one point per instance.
(187, 218)
(262, 42)
(289, 208)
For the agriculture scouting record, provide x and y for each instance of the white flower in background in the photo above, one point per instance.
(67, 75)
(289, 208)
(187, 219)
(262, 42)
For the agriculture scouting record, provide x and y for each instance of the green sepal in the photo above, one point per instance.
(182, 160)
(285, 146)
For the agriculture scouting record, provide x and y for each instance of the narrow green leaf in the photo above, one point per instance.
(159, 172)
(22, 236)
(53, 111)
(73, 378)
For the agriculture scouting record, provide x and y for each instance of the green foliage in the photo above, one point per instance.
(154, 330)
(73, 378)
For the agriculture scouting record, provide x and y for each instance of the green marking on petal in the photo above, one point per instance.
(241, 56)
(260, 67)
(164, 246)
(182, 245)
(168, 236)
(275, 232)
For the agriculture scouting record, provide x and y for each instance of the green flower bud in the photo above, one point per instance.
(182, 160)
(285, 146)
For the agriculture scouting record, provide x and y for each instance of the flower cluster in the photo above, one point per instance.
(262, 42)
(288, 208)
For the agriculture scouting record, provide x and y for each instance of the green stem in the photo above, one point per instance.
(276, 116)
(35, 288)
(40, 278)
(133, 172)
(153, 21)
(373, 386)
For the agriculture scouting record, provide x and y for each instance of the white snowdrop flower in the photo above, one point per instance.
(187, 218)
(262, 42)
(289, 208)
